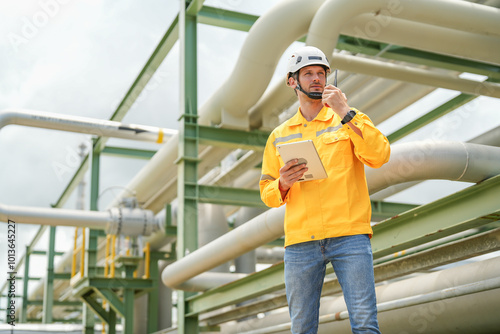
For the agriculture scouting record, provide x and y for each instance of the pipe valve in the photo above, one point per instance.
(132, 222)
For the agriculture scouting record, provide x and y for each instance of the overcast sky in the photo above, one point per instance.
(80, 57)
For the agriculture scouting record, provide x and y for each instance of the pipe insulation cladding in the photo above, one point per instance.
(125, 221)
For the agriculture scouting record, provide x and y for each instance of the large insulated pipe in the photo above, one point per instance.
(382, 24)
(147, 181)
(491, 138)
(425, 160)
(460, 15)
(451, 158)
(85, 125)
(414, 75)
(439, 302)
(153, 182)
(126, 221)
(392, 30)
(267, 40)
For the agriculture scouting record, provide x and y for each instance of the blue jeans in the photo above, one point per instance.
(352, 261)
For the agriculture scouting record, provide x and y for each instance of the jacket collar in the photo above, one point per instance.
(324, 114)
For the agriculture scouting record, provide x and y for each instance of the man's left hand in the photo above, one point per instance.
(335, 99)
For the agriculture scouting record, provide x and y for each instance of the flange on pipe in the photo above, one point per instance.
(132, 222)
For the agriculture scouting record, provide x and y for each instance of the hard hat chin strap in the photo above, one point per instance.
(311, 95)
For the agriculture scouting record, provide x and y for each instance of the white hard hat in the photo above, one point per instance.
(306, 56)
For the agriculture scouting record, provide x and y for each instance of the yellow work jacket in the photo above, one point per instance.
(338, 205)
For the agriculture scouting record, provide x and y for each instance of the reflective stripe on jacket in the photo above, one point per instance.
(338, 205)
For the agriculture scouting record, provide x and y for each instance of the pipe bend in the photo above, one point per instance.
(460, 16)
(258, 58)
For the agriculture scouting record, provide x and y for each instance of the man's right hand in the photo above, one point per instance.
(291, 173)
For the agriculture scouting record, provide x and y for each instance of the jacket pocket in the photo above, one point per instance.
(336, 150)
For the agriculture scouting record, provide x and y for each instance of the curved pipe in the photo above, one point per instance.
(460, 15)
(464, 162)
(445, 41)
(258, 58)
(85, 125)
(147, 181)
(392, 30)
(232, 96)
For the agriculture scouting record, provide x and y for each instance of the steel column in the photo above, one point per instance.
(48, 288)
(187, 229)
(91, 242)
(24, 310)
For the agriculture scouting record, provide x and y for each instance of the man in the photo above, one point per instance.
(326, 220)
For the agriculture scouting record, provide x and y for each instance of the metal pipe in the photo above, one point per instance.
(148, 181)
(448, 293)
(85, 125)
(463, 162)
(445, 41)
(460, 15)
(132, 222)
(414, 75)
(465, 277)
(258, 58)
(491, 138)
(425, 160)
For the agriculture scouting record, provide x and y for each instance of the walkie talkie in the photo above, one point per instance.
(334, 83)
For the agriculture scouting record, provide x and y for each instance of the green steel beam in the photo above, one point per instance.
(192, 7)
(63, 276)
(153, 63)
(431, 116)
(95, 306)
(250, 140)
(153, 295)
(56, 303)
(48, 288)
(469, 208)
(226, 19)
(35, 320)
(394, 52)
(39, 252)
(155, 60)
(424, 260)
(128, 317)
(229, 196)
(73, 183)
(24, 310)
(383, 210)
(128, 152)
(253, 285)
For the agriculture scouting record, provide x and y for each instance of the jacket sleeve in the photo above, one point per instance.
(269, 180)
(373, 149)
